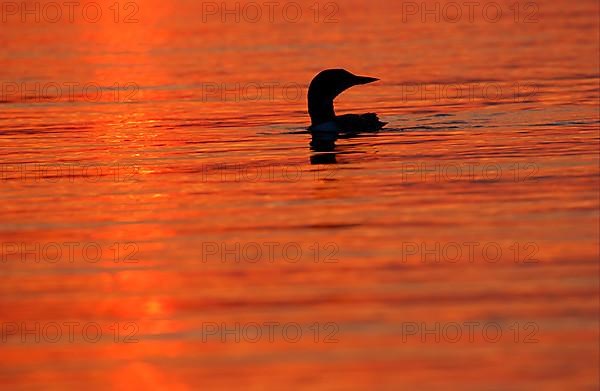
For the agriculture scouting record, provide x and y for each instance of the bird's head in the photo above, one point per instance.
(325, 87)
(330, 83)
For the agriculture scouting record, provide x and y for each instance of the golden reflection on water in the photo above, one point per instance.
(161, 168)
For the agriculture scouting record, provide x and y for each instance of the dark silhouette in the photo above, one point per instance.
(326, 127)
(324, 88)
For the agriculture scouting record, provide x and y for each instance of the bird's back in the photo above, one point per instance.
(353, 123)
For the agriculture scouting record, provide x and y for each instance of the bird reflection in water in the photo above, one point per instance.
(323, 147)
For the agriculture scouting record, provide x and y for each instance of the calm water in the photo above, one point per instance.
(158, 189)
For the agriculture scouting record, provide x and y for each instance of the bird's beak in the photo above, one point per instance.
(358, 80)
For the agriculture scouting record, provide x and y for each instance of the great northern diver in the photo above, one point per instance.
(324, 88)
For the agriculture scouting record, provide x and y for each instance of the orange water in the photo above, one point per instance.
(492, 144)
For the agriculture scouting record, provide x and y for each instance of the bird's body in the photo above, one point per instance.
(353, 123)
(324, 88)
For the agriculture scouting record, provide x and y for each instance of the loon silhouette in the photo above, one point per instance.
(324, 88)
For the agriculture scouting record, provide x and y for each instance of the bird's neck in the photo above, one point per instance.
(321, 110)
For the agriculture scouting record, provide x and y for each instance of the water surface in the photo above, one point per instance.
(181, 154)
